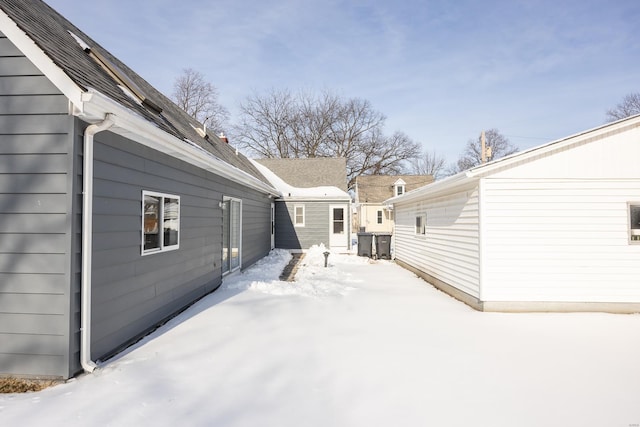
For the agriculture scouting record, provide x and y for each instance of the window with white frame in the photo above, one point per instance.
(160, 222)
(399, 189)
(298, 213)
(421, 224)
(379, 216)
(634, 222)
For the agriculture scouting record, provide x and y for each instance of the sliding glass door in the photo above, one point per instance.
(231, 234)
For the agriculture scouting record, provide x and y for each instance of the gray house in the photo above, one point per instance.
(314, 207)
(117, 209)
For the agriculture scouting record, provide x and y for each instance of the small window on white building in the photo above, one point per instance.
(421, 224)
(160, 222)
(379, 216)
(634, 222)
(398, 187)
(298, 212)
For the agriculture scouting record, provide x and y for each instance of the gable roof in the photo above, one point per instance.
(472, 175)
(378, 188)
(59, 49)
(310, 172)
(291, 192)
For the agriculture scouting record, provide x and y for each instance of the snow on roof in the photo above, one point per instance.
(289, 191)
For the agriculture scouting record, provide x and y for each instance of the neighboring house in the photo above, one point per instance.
(117, 211)
(371, 191)
(315, 207)
(553, 228)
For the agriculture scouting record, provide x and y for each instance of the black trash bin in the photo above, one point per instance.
(383, 246)
(365, 244)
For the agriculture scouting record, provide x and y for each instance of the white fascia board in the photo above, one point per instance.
(437, 188)
(133, 126)
(314, 199)
(554, 146)
(33, 52)
(482, 171)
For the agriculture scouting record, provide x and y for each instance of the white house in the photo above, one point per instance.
(553, 228)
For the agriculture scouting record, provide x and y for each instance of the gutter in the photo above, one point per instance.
(87, 240)
(139, 129)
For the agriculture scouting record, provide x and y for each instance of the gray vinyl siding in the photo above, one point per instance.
(131, 293)
(315, 229)
(36, 155)
(256, 223)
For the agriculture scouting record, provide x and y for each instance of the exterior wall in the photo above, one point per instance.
(316, 228)
(131, 293)
(449, 250)
(559, 240)
(369, 218)
(556, 229)
(36, 154)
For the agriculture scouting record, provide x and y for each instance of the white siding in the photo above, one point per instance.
(449, 249)
(559, 240)
(612, 155)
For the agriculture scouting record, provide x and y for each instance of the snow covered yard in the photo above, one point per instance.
(354, 344)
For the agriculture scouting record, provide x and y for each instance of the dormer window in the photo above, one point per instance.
(398, 187)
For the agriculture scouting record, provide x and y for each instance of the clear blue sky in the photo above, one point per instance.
(440, 70)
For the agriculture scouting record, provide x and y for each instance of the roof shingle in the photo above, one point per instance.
(51, 33)
(378, 188)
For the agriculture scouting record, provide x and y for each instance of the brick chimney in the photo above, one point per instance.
(223, 138)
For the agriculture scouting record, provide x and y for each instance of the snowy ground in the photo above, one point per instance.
(354, 344)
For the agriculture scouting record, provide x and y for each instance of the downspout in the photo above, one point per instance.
(87, 230)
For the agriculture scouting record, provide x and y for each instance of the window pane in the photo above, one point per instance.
(379, 217)
(151, 222)
(635, 217)
(299, 214)
(171, 221)
(338, 220)
(235, 234)
(421, 222)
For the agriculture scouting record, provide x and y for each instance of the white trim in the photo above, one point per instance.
(632, 231)
(481, 241)
(92, 106)
(132, 126)
(31, 50)
(449, 184)
(87, 241)
(162, 248)
(295, 216)
(346, 230)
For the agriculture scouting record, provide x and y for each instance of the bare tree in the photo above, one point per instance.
(630, 106)
(496, 143)
(429, 163)
(280, 124)
(199, 99)
(265, 126)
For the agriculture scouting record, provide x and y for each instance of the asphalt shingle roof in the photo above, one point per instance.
(378, 188)
(311, 172)
(50, 31)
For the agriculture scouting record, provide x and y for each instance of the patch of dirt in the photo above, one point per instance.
(20, 385)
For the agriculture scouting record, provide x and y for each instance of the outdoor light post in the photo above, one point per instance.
(326, 257)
